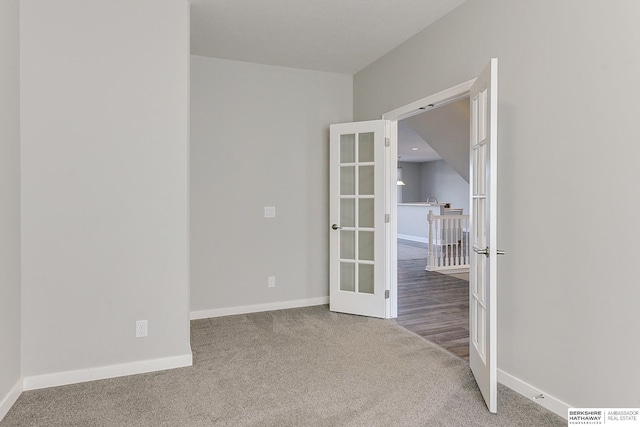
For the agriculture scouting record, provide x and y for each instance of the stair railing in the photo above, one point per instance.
(448, 242)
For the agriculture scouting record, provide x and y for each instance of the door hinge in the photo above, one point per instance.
(387, 218)
(387, 142)
(386, 294)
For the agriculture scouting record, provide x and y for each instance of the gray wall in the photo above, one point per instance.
(440, 180)
(435, 178)
(446, 130)
(411, 176)
(9, 197)
(260, 137)
(104, 135)
(568, 311)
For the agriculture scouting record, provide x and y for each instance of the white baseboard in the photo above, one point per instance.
(448, 270)
(530, 392)
(256, 308)
(413, 238)
(91, 374)
(7, 402)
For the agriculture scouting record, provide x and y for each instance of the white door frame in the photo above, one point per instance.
(420, 106)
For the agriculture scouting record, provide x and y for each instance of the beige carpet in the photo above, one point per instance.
(300, 367)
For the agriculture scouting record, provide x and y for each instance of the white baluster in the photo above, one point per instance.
(439, 240)
(447, 238)
(465, 240)
(441, 224)
(431, 258)
(450, 241)
(454, 241)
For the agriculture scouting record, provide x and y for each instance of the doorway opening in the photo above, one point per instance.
(364, 239)
(433, 225)
(483, 165)
(431, 304)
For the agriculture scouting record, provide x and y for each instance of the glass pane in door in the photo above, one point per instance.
(365, 147)
(347, 277)
(365, 180)
(365, 278)
(348, 212)
(365, 245)
(347, 148)
(347, 245)
(365, 213)
(347, 180)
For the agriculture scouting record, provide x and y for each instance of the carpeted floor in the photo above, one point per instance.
(299, 367)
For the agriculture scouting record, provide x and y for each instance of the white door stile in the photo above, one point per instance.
(391, 167)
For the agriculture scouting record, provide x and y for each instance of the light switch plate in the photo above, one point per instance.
(269, 211)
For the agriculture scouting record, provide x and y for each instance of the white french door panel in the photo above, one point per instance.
(358, 264)
(483, 278)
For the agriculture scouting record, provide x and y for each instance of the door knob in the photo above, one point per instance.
(336, 227)
(484, 251)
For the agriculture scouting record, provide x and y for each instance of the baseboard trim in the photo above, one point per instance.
(448, 270)
(256, 308)
(413, 238)
(536, 395)
(91, 374)
(7, 402)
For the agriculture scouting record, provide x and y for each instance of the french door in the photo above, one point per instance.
(483, 272)
(358, 220)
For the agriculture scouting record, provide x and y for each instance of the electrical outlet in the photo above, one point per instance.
(141, 328)
(269, 211)
(271, 281)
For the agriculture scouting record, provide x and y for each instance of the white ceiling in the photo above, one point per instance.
(341, 36)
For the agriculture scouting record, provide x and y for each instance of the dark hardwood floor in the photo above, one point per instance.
(434, 306)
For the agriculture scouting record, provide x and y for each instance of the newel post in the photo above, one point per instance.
(431, 259)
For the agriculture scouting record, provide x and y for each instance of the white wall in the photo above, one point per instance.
(9, 201)
(440, 180)
(104, 104)
(260, 137)
(568, 311)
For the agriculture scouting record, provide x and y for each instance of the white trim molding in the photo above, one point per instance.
(430, 102)
(91, 374)
(256, 308)
(7, 402)
(538, 396)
